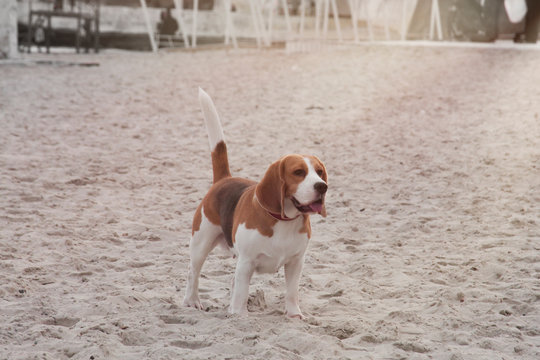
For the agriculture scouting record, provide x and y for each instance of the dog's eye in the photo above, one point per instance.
(320, 173)
(299, 172)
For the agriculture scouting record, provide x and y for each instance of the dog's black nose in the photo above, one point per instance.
(321, 187)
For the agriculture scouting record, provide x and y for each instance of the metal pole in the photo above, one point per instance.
(148, 26)
(179, 6)
(194, 25)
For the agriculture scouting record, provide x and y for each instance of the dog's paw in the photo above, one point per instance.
(242, 312)
(293, 310)
(195, 303)
(295, 315)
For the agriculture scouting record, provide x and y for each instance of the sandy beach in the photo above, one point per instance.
(431, 247)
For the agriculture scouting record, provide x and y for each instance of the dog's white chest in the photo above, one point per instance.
(269, 254)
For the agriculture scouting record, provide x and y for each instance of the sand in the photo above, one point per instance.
(431, 245)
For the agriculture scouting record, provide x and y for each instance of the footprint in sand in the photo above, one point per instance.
(190, 344)
(65, 321)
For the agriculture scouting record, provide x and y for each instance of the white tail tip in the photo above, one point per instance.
(211, 118)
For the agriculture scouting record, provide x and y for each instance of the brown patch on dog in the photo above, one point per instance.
(220, 162)
(197, 219)
(292, 164)
(253, 215)
(227, 198)
(220, 203)
(306, 228)
(269, 190)
(210, 207)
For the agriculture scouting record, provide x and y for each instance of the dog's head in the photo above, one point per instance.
(295, 184)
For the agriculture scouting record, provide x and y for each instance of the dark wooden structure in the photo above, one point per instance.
(83, 20)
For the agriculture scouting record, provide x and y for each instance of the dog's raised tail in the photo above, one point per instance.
(220, 160)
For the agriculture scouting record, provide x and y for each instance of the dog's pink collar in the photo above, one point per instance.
(276, 215)
(279, 217)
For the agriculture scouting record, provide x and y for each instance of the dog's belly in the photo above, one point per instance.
(269, 254)
(268, 264)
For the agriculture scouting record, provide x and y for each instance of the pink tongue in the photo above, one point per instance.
(316, 207)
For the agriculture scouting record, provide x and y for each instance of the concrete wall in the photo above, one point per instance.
(8, 28)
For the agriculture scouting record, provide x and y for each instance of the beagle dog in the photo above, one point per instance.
(265, 225)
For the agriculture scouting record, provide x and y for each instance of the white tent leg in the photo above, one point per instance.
(439, 25)
(148, 26)
(273, 7)
(365, 6)
(435, 20)
(325, 15)
(227, 33)
(318, 4)
(227, 29)
(230, 34)
(386, 20)
(179, 6)
(403, 31)
(336, 19)
(287, 18)
(353, 8)
(302, 16)
(259, 14)
(255, 22)
(194, 25)
(232, 31)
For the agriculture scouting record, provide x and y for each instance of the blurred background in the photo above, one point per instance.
(153, 24)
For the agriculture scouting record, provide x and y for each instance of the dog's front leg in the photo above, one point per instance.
(242, 277)
(293, 270)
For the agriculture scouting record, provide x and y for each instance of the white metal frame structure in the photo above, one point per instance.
(264, 28)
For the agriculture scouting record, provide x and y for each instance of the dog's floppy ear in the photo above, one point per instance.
(323, 210)
(325, 178)
(324, 174)
(270, 191)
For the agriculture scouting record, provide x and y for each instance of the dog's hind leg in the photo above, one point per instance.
(203, 241)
